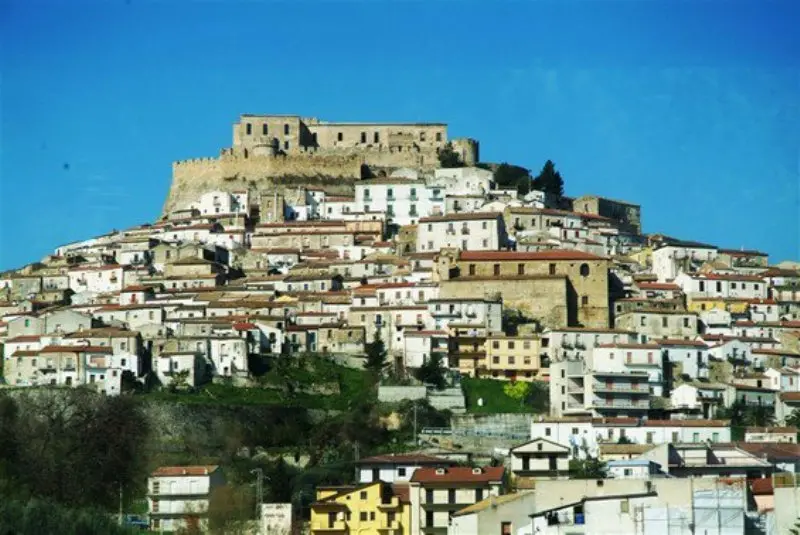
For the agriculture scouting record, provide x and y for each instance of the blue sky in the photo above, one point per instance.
(690, 108)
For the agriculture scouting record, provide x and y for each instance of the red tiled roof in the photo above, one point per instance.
(459, 474)
(790, 396)
(405, 459)
(244, 326)
(761, 487)
(657, 286)
(515, 256)
(678, 342)
(24, 338)
(77, 349)
(170, 471)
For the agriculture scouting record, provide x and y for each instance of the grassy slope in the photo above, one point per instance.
(494, 399)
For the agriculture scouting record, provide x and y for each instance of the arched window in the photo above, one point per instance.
(584, 270)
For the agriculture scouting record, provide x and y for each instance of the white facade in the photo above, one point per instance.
(468, 232)
(466, 314)
(101, 279)
(403, 201)
(222, 202)
(463, 180)
(579, 432)
(228, 355)
(175, 493)
(668, 260)
(722, 286)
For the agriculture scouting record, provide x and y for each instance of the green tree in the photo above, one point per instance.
(180, 381)
(376, 355)
(792, 420)
(549, 180)
(448, 157)
(432, 372)
(588, 468)
(513, 176)
(519, 390)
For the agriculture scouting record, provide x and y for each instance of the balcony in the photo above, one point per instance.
(393, 503)
(392, 528)
(338, 526)
(620, 404)
(622, 388)
(465, 230)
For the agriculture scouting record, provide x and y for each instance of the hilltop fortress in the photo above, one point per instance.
(278, 151)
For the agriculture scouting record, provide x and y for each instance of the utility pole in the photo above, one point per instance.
(259, 489)
(356, 455)
(120, 504)
(416, 442)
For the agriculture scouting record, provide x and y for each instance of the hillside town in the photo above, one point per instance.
(653, 380)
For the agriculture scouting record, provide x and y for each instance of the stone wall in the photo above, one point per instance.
(393, 394)
(540, 298)
(191, 178)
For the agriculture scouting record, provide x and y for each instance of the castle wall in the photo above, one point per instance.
(191, 178)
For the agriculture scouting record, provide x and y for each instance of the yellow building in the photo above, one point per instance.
(468, 353)
(515, 358)
(368, 509)
(701, 304)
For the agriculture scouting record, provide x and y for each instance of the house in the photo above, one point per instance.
(748, 395)
(376, 507)
(473, 231)
(771, 434)
(436, 494)
(501, 515)
(539, 458)
(512, 358)
(179, 496)
(696, 400)
(585, 434)
(556, 288)
(627, 216)
(403, 201)
(707, 460)
(170, 364)
(396, 468)
(631, 469)
(725, 285)
(466, 314)
(659, 323)
(678, 257)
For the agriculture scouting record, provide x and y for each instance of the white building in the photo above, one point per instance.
(468, 232)
(466, 314)
(179, 493)
(403, 201)
(222, 202)
(97, 279)
(463, 180)
(584, 434)
(539, 458)
(719, 285)
(671, 260)
(396, 468)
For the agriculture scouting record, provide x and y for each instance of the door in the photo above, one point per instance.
(526, 462)
(553, 462)
(376, 474)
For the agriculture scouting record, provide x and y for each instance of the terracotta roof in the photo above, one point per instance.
(657, 286)
(402, 491)
(772, 430)
(77, 349)
(170, 471)
(459, 474)
(516, 256)
(790, 396)
(24, 338)
(244, 326)
(630, 346)
(678, 342)
(762, 486)
(405, 459)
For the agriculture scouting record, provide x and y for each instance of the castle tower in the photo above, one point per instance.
(468, 149)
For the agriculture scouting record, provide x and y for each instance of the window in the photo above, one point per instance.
(584, 300)
(286, 145)
(664, 321)
(495, 344)
(484, 225)
(363, 137)
(376, 138)
(649, 438)
(496, 270)
(363, 495)
(733, 286)
(642, 321)
(674, 437)
(505, 528)
(511, 361)
(429, 517)
(372, 515)
(401, 472)
(248, 129)
(695, 437)
(714, 437)
(363, 516)
(520, 269)
(625, 506)
(340, 137)
(526, 345)
(451, 495)
(547, 431)
(510, 344)
(485, 243)
(438, 136)
(285, 129)
(584, 269)
(552, 269)
(472, 269)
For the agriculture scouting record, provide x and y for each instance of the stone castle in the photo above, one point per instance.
(272, 151)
